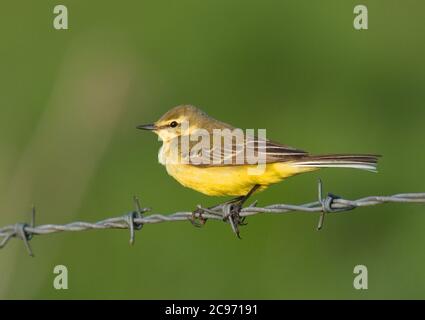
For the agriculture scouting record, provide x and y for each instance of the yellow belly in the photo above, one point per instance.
(231, 180)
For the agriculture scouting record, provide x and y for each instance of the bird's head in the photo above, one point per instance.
(179, 121)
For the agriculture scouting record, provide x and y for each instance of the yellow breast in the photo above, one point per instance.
(229, 180)
(226, 180)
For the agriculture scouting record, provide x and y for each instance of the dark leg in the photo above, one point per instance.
(197, 213)
(236, 207)
(245, 197)
(201, 219)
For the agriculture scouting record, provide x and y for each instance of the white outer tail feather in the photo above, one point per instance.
(362, 166)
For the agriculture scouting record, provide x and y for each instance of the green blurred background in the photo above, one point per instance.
(70, 101)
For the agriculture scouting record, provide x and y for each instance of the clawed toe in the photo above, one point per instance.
(234, 217)
(197, 219)
(231, 212)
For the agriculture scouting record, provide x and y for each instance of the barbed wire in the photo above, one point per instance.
(136, 219)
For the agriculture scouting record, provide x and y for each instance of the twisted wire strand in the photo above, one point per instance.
(135, 220)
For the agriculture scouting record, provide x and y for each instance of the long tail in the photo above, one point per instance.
(357, 161)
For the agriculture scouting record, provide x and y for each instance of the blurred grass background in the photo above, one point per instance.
(70, 101)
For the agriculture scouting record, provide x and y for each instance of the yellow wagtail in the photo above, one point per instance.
(221, 171)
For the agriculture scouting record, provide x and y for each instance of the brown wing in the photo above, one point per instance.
(251, 150)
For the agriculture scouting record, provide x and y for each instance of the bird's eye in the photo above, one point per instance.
(173, 124)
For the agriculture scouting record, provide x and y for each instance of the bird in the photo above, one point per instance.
(215, 170)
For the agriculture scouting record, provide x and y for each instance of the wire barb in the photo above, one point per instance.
(327, 203)
(24, 236)
(129, 219)
(18, 230)
(135, 220)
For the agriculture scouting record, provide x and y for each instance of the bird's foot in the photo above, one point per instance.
(232, 214)
(233, 208)
(197, 219)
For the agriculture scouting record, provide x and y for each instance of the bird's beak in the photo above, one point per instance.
(150, 127)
